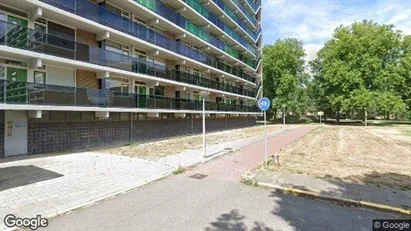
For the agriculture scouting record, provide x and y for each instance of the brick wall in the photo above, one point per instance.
(86, 37)
(86, 79)
(57, 136)
(170, 91)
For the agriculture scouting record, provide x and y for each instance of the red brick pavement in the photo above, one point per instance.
(231, 167)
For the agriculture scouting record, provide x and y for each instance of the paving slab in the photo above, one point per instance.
(383, 195)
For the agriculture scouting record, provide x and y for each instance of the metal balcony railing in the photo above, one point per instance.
(230, 13)
(245, 12)
(196, 5)
(29, 39)
(108, 18)
(25, 93)
(253, 5)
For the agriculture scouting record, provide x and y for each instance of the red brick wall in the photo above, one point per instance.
(86, 79)
(86, 37)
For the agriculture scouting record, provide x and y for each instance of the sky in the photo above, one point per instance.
(313, 21)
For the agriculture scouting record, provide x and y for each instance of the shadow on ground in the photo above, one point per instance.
(233, 220)
(321, 215)
(339, 217)
(15, 176)
(366, 187)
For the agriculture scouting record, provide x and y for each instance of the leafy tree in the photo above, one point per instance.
(405, 72)
(284, 77)
(358, 66)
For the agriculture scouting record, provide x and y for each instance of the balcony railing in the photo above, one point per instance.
(245, 12)
(196, 5)
(108, 18)
(28, 39)
(26, 93)
(253, 5)
(231, 14)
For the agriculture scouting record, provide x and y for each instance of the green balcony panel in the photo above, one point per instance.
(197, 7)
(150, 4)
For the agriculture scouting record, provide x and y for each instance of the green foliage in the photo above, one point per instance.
(179, 170)
(284, 77)
(364, 67)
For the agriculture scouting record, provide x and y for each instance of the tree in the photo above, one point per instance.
(405, 72)
(360, 64)
(284, 78)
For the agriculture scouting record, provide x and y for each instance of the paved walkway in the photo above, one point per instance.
(334, 188)
(49, 185)
(249, 157)
(217, 202)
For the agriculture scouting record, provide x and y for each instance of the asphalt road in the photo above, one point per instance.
(183, 203)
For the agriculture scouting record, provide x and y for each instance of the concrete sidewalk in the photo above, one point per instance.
(50, 185)
(368, 195)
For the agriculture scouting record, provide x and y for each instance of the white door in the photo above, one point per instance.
(15, 137)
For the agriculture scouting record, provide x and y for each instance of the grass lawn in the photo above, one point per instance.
(180, 144)
(380, 155)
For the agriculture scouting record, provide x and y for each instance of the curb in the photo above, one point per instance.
(342, 201)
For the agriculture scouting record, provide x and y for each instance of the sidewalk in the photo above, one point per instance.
(55, 184)
(360, 194)
(232, 167)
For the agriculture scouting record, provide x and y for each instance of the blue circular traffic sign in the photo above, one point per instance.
(264, 104)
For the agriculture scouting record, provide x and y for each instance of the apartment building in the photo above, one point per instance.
(86, 73)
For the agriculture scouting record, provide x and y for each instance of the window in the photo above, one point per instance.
(126, 50)
(117, 47)
(140, 21)
(61, 31)
(119, 85)
(39, 77)
(113, 46)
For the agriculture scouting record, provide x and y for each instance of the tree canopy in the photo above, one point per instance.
(284, 77)
(363, 67)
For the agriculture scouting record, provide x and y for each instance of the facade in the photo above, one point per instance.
(85, 73)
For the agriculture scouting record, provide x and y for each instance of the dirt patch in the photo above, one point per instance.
(180, 144)
(354, 154)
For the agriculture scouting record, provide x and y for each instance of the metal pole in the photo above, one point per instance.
(265, 139)
(204, 133)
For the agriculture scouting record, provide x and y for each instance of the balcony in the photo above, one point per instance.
(217, 22)
(25, 93)
(230, 13)
(245, 12)
(105, 17)
(254, 6)
(28, 39)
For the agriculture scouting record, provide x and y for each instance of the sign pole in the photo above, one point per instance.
(264, 104)
(265, 139)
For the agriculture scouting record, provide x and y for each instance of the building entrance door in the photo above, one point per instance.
(15, 136)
